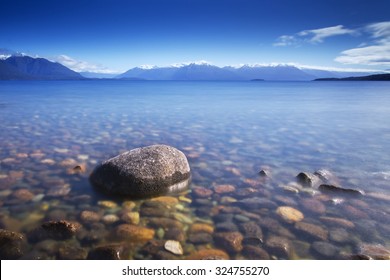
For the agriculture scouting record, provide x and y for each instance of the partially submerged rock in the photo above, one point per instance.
(308, 179)
(143, 172)
(339, 190)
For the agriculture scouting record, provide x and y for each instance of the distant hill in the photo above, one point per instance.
(28, 68)
(190, 72)
(10, 72)
(205, 71)
(377, 77)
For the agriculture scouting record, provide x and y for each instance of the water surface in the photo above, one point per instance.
(229, 132)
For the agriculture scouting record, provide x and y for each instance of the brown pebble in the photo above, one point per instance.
(279, 246)
(89, 216)
(208, 254)
(231, 241)
(289, 214)
(312, 231)
(337, 222)
(78, 169)
(255, 253)
(134, 233)
(23, 195)
(199, 227)
(220, 189)
(202, 192)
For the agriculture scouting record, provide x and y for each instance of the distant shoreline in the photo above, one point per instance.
(377, 77)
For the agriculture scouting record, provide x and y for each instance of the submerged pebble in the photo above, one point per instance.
(173, 247)
(312, 231)
(325, 250)
(208, 254)
(289, 214)
(134, 233)
(230, 241)
(255, 253)
(279, 246)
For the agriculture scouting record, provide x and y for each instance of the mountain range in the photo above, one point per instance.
(22, 67)
(204, 71)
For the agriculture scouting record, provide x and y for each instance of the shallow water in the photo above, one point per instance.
(229, 132)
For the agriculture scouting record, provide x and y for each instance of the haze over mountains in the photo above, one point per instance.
(22, 67)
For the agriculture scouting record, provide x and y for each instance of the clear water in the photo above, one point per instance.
(229, 132)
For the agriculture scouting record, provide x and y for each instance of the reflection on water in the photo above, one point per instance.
(54, 133)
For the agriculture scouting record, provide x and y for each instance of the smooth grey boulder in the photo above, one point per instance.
(143, 172)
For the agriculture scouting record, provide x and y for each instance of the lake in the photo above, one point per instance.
(229, 131)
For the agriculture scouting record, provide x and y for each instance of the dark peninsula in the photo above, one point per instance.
(377, 77)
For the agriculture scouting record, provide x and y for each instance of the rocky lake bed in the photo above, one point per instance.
(264, 184)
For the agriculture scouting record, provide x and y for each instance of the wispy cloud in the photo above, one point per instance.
(376, 52)
(286, 40)
(82, 66)
(318, 35)
(313, 36)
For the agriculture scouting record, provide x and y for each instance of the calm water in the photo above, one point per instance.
(229, 132)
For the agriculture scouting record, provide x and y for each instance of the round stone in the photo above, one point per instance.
(143, 172)
(289, 214)
(134, 233)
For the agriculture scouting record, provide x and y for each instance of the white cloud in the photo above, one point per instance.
(82, 66)
(313, 36)
(371, 55)
(318, 35)
(380, 30)
(376, 52)
(285, 40)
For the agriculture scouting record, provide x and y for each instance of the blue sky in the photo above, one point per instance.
(115, 35)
